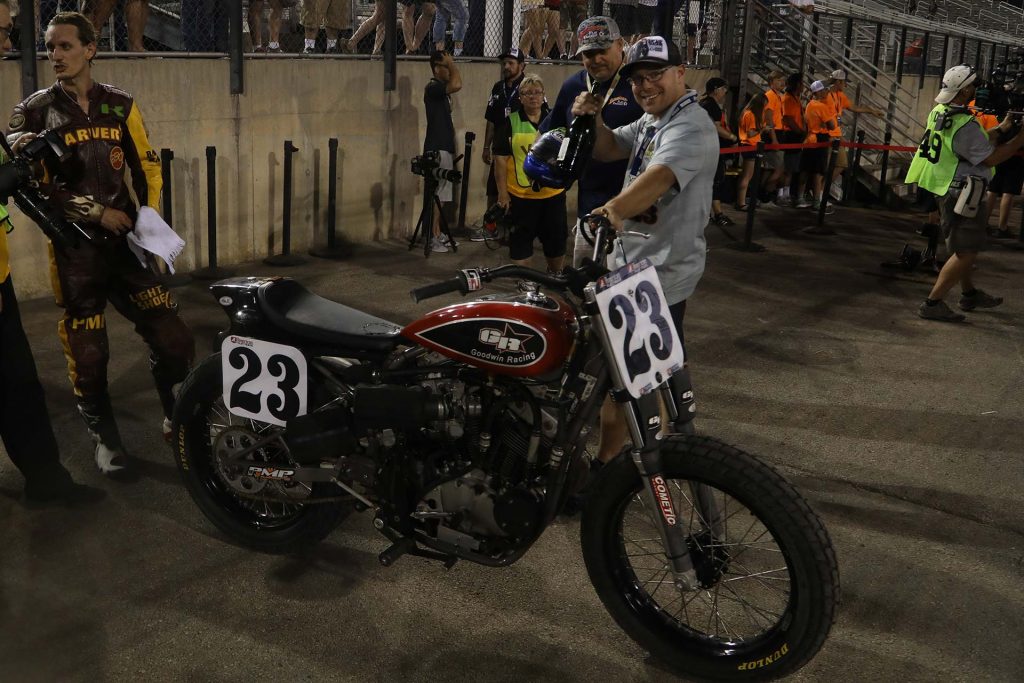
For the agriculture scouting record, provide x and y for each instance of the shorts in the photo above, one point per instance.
(791, 157)
(927, 200)
(1009, 178)
(542, 219)
(773, 158)
(624, 16)
(961, 234)
(748, 155)
(572, 14)
(330, 13)
(815, 160)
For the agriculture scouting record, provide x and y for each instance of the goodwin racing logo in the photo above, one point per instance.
(504, 340)
(117, 158)
(664, 499)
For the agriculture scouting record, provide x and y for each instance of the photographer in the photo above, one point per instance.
(104, 131)
(445, 82)
(954, 162)
(24, 422)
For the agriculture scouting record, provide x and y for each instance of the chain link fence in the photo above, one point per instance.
(542, 29)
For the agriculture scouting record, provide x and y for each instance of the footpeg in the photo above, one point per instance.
(395, 551)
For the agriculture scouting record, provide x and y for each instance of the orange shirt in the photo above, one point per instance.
(839, 102)
(986, 120)
(748, 123)
(791, 106)
(817, 115)
(775, 104)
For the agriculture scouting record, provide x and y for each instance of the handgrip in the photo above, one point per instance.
(456, 284)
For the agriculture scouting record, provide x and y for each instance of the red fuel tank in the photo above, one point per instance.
(511, 335)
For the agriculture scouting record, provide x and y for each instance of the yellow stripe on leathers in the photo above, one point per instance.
(62, 332)
(147, 157)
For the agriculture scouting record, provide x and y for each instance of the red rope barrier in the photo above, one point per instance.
(816, 145)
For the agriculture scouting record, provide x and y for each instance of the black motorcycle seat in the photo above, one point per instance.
(298, 311)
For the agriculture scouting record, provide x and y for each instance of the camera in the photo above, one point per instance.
(428, 165)
(16, 182)
(1003, 91)
(47, 146)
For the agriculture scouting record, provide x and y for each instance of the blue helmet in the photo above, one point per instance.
(541, 164)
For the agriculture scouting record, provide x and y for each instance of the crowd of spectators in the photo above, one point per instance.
(546, 28)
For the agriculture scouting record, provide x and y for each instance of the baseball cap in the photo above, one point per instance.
(597, 33)
(955, 80)
(512, 53)
(651, 51)
(838, 75)
(714, 84)
(817, 86)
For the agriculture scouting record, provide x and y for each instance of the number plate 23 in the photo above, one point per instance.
(643, 341)
(263, 381)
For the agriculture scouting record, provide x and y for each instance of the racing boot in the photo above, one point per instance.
(166, 376)
(109, 454)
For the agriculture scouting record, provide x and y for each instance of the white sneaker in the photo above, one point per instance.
(110, 461)
(438, 247)
(167, 430)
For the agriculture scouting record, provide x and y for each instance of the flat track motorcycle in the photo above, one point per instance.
(465, 433)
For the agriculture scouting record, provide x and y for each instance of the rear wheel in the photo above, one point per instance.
(769, 582)
(269, 516)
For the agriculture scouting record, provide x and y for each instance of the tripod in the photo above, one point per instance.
(426, 219)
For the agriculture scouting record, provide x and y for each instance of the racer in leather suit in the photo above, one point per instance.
(103, 129)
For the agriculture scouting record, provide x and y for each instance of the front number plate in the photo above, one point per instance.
(644, 343)
(262, 380)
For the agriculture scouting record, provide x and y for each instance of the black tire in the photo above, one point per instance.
(271, 528)
(802, 597)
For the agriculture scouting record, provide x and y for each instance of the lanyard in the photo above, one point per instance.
(509, 95)
(651, 130)
(611, 87)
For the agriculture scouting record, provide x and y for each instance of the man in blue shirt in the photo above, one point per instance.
(602, 49)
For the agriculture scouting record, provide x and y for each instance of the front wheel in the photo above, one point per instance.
(769, 582)
(266, 516)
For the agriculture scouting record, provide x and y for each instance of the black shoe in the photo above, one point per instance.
(927, 230)
(69, 493)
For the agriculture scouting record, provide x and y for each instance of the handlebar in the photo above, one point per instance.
(571, 279)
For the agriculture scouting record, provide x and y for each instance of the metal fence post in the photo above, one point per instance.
(235, 48)
(211, 271)
(28, 49)
(333, 250)
(166, 207)
(753, 190)
(467, 159)
(819, 227)
(882, 187)
(286, 257)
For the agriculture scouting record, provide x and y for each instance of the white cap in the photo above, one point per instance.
(955, 80)
(817, 86)
(838, 75)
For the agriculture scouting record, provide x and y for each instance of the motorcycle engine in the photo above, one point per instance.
(490, 489)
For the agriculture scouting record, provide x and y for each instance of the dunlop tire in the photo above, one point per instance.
(200, 390)
(780, 508)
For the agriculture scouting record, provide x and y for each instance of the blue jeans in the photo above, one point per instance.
(456, 12)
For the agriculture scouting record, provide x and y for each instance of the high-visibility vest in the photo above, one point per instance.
(935, 163)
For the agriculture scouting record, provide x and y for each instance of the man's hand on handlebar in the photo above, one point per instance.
(609, 213)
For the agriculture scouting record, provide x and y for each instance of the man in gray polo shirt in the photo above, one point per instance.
(673, 153)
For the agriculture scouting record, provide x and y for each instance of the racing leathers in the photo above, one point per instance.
(101, 143)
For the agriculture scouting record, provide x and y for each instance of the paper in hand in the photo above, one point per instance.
(153, 235)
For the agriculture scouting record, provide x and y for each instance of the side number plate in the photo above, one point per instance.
(263, 381)
(644, 342)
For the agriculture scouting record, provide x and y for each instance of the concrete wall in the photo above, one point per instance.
(187, 106)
